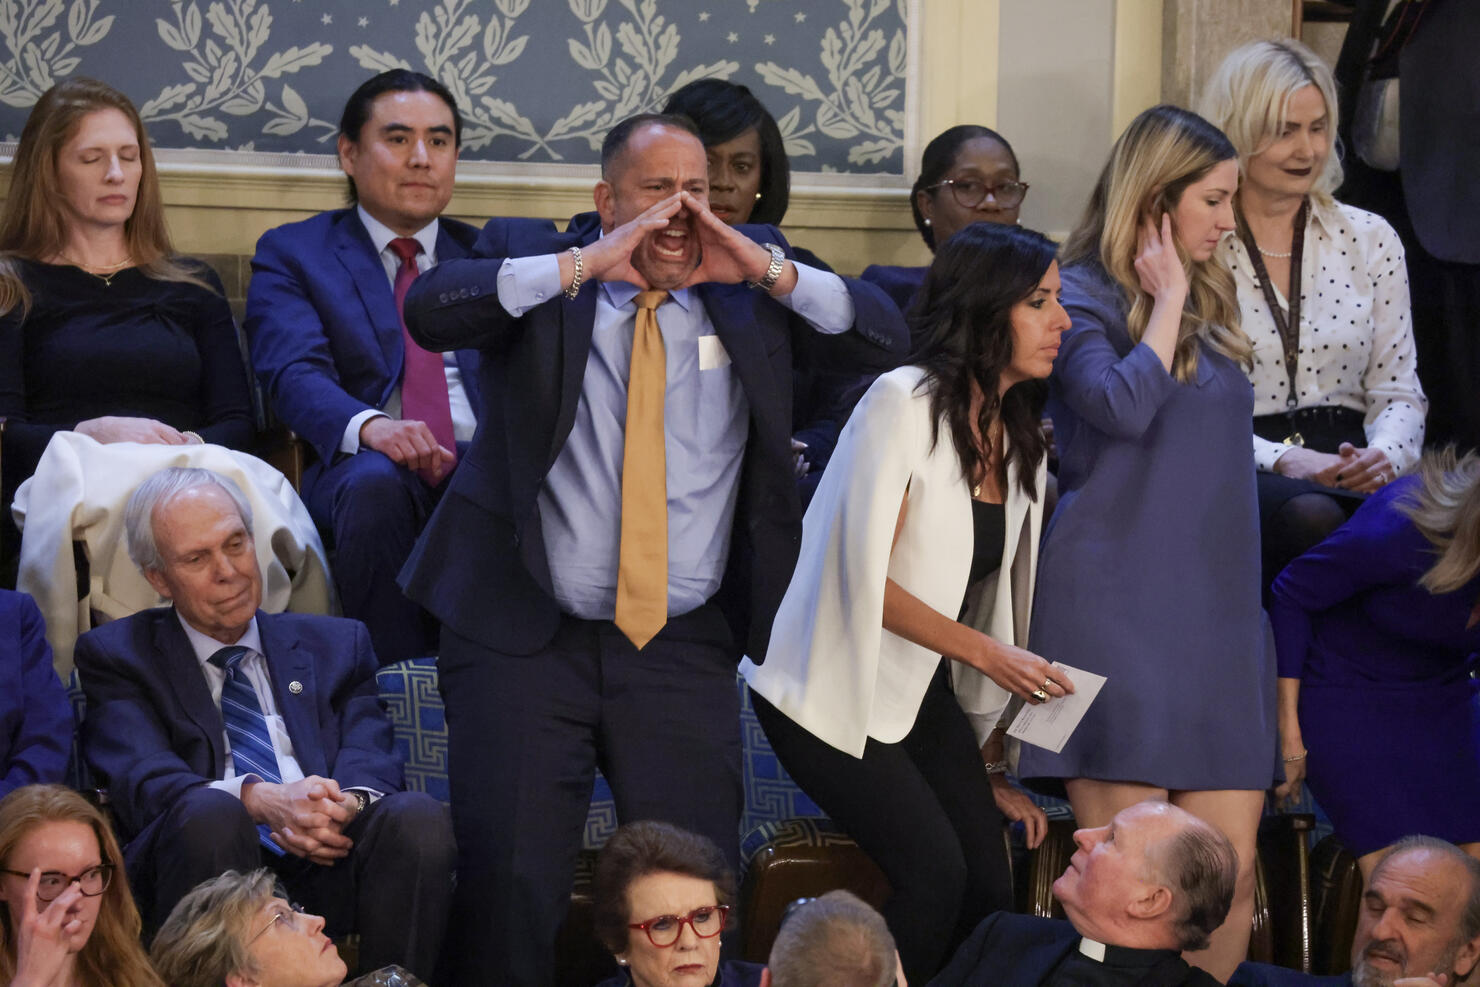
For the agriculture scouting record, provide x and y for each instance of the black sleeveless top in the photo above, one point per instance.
(989, 531)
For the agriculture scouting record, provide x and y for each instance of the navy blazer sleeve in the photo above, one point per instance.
(291, 350)
(35, 717)
(456, 304)
(146, 761)
(355, 726)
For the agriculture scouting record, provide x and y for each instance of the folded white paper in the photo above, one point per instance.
(1049, 724)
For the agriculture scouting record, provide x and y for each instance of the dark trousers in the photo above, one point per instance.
(526, 734)
(370, 511)
(394, 888)
(923, 810)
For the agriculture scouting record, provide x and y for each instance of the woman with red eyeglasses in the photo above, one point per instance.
(68, 919)
(662, 897)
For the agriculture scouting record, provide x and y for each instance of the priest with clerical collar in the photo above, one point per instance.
(1139, 893)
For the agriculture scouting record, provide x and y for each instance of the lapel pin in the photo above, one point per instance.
(295, 687)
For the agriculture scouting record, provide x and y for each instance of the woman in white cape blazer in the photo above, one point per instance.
(831, 667)
(882, 731)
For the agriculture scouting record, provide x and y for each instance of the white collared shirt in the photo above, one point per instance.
(254, 666)
(464, 421)
(1356, 333)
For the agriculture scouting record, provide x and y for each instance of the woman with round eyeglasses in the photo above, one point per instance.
(661, 900)
(238, 930)
(968, 174)
(68, 919)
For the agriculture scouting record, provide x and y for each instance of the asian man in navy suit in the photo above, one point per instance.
(328, 345)
(230, 739)
(566, 640)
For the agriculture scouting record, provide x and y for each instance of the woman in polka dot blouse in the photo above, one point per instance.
(1338, 408)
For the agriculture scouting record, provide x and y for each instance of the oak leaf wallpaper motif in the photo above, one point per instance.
(536, 80)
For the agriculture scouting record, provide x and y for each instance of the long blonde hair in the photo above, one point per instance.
(1162, 152)
(1248, 98)
(1446, 510)
(33, 226)
(113, 956)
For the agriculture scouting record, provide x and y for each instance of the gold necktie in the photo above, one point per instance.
(642, 566)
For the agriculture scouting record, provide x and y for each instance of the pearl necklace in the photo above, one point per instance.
(1277, 256)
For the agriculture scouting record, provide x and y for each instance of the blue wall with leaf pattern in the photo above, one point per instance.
(537, 82)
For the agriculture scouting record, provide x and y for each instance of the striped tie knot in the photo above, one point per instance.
(228, 658)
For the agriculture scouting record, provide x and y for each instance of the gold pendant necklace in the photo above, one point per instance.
(114, 269)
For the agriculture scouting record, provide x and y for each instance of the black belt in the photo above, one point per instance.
(1323, 428)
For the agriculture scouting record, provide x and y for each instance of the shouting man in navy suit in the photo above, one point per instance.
(383, 416)
(230, 738)
(624, 524)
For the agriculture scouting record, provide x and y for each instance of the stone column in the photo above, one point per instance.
(1196, 34)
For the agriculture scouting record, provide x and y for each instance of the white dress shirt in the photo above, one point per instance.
(464, 422)
(254, 665)
(1356, 333)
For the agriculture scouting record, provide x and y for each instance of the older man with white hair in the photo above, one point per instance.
(230, 738)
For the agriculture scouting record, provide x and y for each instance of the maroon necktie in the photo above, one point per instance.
(423, 379)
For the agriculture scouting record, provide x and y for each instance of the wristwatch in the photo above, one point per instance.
(361, 798)
(773, 272)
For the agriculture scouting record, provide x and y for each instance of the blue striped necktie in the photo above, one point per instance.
(246, 728)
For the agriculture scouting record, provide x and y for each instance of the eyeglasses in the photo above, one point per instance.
(972, 192)
(290, 914)
(94, 881)
(663, 931)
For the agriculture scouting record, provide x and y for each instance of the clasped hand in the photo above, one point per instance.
(307, 817)
(726, 256)
(1350, 468)
(118, 428)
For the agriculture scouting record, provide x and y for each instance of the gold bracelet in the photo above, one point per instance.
(1296, 757)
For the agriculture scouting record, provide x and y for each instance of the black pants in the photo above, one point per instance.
(526, 734)
(923, 810)
(394, 888)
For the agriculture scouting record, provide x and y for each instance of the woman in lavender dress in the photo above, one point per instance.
(1150, 566)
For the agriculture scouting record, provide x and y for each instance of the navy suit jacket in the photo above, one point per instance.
(322, 321)
(480, 566)
(1265, 975)
(35, 717)
(1009, 950)
(152, 732)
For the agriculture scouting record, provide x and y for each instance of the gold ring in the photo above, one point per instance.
(1040, 695)
(1046, 684)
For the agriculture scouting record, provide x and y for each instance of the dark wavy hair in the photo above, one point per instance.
(723, 111)
(961, 324)
(645, 847)
(940, 157)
